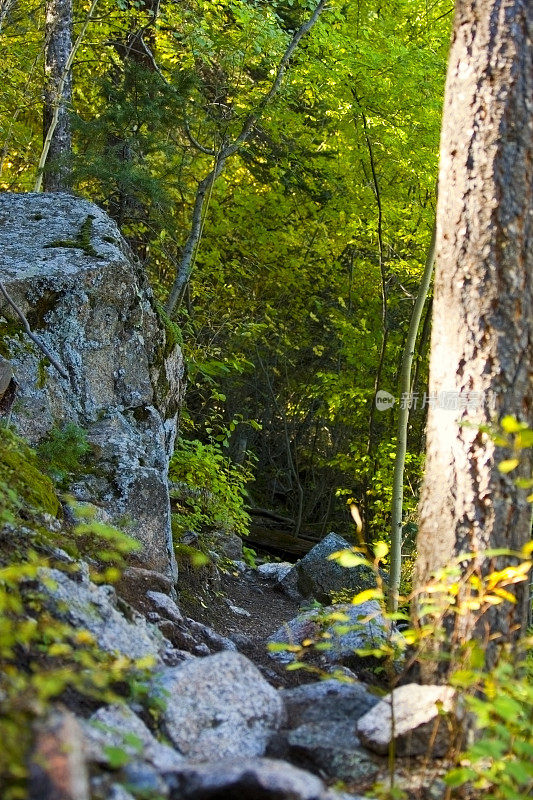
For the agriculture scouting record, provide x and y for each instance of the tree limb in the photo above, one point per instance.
(401, 449)
(35, 339)
(206, 184)
(195, 143)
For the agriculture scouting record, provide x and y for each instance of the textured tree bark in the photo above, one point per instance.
(483, 308)
(5, 8)
(58, 91)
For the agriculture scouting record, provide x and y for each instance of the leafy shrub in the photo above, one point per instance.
(220, 501)
(500, 764)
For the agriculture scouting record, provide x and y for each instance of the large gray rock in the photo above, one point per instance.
(65, 264)
(415, 716)
(327, 702)
(315, 576)
(360, 627)
(219, 707)
(86, 606)
(320, 732)
(249, 779)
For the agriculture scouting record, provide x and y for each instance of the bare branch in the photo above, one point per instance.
(5, 8)
(35, 339)
(195, 143)
(274, 89)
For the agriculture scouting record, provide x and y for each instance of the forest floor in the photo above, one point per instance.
(265, 608)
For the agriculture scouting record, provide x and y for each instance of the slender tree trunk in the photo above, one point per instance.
(403, 422)
(483, 308)
(58, 93)
(193, 239)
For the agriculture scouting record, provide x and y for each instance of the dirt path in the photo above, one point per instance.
(265, 609)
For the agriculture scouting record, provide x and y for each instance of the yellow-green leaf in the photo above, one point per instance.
(508, 465)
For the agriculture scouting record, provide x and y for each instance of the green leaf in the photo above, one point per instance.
(511, 424)
(456, 777)
(347, 558)
(381, 549)
(116, 756)
(487, 747)
(519, 770)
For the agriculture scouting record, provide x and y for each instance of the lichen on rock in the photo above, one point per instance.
(92, 307)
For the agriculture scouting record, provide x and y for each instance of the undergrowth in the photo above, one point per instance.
(220, 501)
(41, 656)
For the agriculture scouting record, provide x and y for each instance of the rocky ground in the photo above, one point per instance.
(215, 716)
(247, 608)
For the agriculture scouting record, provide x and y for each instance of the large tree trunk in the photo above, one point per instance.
(58, 92)
(483, 309)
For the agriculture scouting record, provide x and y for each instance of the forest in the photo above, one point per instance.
(313, 237)
(331, 201)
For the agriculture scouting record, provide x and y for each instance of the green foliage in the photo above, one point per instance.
(173, 334)
(41, 657)
(105, 545)
(500, 763)
(63, 451)
(249, 556)
(220, 502)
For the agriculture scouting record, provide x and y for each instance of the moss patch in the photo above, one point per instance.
(9, 329)
(21, 481)
(82, 240)
(173, 334)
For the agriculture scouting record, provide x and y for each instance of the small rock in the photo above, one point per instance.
(165, 606)
(118, 792)
(417, 719)
(144, 780)
(241, 612)
(211, 638)
(118, 727)
(135, 582)
(241, 640)
(276, 571)
(219, 707)
(201, 650)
